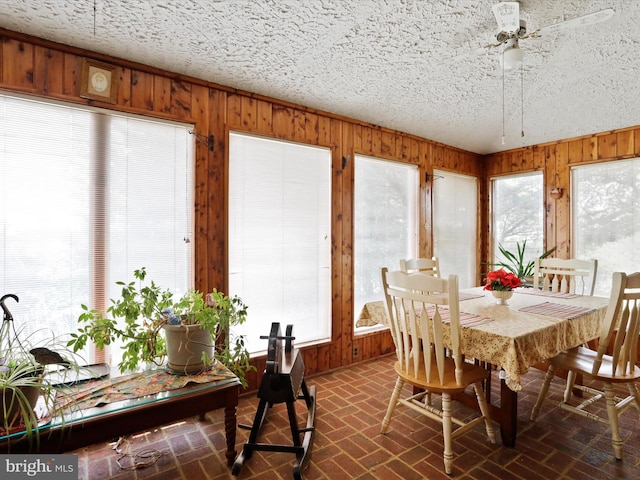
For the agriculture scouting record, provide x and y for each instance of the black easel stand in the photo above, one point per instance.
(281, 383)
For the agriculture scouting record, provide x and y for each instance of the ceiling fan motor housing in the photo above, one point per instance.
(521, 32)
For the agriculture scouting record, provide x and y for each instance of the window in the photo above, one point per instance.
(86, 198)
(606, 217)
(518, 214)
(455, 217)
(385, 223)
(280, 237)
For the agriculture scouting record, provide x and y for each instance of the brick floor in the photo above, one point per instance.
(350, 405)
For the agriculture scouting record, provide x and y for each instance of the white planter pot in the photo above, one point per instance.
(185, 344)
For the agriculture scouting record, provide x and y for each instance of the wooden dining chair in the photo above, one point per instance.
(417, 308)
(565, 275)
(428, 266)
(618, 367)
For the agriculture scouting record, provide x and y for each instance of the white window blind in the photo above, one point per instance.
(280, 237)
(385, 223)
(455, 214)
(87, 197)
(606, 217)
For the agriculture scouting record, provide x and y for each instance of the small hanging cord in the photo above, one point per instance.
(522, 99)
(187, 227)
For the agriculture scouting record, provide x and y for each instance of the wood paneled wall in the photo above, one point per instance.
(37, 67)
(555, 161)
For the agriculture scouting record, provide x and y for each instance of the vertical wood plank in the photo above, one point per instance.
(387, 144)
(142, 90)
(397, 154)
(310, 359)
(527, 159)
(606, 146)
(234, 111)
(356, 136)
(200, 112)
(324, 130)
(283, 122)
(437, 159)
(575, 152)
(342, 245)
(376, 143)
(323, 357)
(248, 113)
(161, 94)
(124, 86)
(211, 229)
(311, 128)
(299, 124)
(265, 116)
(624, 143)
(563, 206)
(406, 149)
(549, 204)
(72, 73)
(590, 148)
(48, 77)
(414, 151)
(17, 64)
(367, 141)
(538, 158)
(180, 98)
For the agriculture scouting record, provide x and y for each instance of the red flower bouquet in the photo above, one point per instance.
(502, 281)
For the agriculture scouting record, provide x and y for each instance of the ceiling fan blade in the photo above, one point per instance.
(582, 21)
(507, 15)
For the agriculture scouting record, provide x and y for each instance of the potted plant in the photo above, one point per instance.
(516, 263)
(24, 376)
(202, 322)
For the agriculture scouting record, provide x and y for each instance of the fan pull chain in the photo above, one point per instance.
(503, 142)
(522, 99)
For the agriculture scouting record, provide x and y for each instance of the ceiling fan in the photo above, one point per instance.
(512, 29)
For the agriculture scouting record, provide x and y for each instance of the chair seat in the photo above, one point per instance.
(623, 317)
(470, 374)
(581, 359)
(416, 326)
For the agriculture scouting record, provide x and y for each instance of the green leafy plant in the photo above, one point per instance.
(146, 308)
(26, 366)
(515, 262)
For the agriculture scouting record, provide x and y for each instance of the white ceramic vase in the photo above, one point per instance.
(502, 296)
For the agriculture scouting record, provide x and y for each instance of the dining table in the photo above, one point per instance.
(532, 326)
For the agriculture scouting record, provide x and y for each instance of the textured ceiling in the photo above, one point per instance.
(413, 65)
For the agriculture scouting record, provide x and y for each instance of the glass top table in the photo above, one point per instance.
(106, 409)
